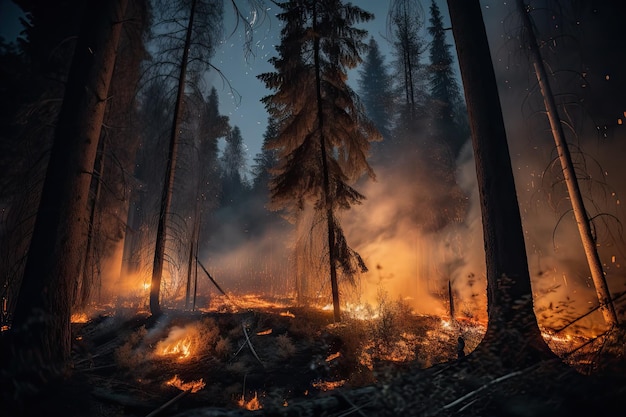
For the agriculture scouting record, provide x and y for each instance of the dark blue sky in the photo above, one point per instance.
(244, 108)
(242, 103)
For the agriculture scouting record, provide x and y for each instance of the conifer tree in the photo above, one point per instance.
(375, 89)
(233, 162)
(324, 136)
(449, 123)
(405, 24)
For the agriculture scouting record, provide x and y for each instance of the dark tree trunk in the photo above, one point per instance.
(328, 198)
(168, 183)
(57, 249)
(512, 331)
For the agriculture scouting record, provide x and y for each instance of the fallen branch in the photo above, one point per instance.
(245, 332)
(169, 403)
(484, 387)
(215, 282)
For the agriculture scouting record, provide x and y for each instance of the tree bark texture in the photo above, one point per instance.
(512, 326)
(57, 248)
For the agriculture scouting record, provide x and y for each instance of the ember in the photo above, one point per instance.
(328, 385)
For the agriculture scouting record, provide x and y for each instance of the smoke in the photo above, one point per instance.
(414, 245)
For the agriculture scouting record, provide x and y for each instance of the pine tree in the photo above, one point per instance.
(446, 102)
(233, 161)
(324, 137)
(405, 19)
(375, 89)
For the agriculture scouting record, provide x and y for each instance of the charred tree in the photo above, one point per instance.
(513, 334)
(170, 170)
(56, 253)
(583, 222)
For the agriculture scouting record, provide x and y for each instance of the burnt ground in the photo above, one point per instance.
(297, 362)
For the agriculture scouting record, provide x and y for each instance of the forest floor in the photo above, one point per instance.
(296, 361)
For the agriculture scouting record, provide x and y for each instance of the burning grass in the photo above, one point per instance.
(275, 354)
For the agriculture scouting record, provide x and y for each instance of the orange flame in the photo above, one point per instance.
(193, 386)
(180, 348)
(251, 405)
(79, 318)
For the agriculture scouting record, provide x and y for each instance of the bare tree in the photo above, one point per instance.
(583, 222)
(513, 334)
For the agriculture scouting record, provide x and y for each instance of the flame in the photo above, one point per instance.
(182, 349)
(251, 405)
(193, 386)
(79, 318)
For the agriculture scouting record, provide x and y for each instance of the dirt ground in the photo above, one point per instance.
(295, 361)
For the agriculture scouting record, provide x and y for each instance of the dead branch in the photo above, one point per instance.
(169, 403)
(245, 332)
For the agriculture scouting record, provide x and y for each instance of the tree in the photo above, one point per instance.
(583, 221)
(512, 334)
(445, 96)
(57, 247)
(324, 135)
(233, 162)
(375, 89)
(404, 21)
(201, 24)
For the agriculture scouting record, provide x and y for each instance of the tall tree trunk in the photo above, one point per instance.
(512, 329)
(87, 280)
(170, 170)
(57, 249)
(328, 200)
(569, 174)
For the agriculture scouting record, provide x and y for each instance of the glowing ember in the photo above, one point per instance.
(264, 332)
(333, 356)
(193, 386)
(251, 405)
(287, 314)
(328, 385)
(79, 318)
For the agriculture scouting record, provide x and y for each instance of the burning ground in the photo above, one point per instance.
(268, 357)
